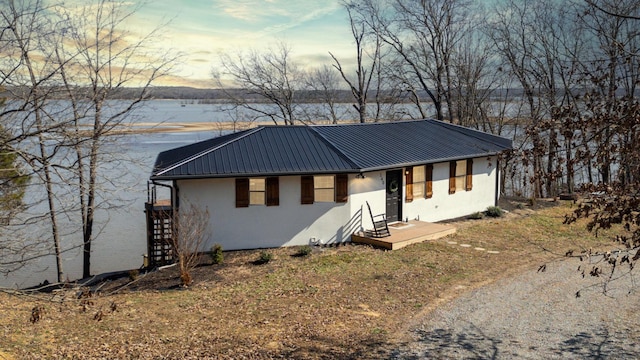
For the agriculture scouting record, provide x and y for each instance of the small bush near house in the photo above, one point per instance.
(494, 211)
(476, 216)
(133, 274)
(303, 251)
(216, 254)
(264, 258)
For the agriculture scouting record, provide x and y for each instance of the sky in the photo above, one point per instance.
(202, 29)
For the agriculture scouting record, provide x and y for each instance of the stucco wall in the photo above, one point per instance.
(292, 223)
(372, 189)
(260, 226)
(443, 206)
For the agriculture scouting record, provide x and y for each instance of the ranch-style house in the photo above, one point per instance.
(275, 186)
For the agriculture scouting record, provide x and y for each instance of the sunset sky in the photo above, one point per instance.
(201, 29)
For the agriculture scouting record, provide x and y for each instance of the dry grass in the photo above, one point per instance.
(344, 302)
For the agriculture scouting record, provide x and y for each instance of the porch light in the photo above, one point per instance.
(360, 176)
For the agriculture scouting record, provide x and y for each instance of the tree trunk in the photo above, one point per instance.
(91, 190)
(570, 171)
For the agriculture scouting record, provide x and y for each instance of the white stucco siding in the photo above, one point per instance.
(372, 189)
(291, 223)
(443, 206)
(260, 226)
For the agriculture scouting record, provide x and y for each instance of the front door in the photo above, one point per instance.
(394, 195)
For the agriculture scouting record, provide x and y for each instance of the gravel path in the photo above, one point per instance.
(534, 316)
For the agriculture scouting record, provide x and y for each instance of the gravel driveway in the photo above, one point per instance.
(534, 315)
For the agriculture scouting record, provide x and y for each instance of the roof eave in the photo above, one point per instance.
(237, 175)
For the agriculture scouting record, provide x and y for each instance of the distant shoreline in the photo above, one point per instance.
(181, 127)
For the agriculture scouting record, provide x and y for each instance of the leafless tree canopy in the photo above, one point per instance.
(60, 66)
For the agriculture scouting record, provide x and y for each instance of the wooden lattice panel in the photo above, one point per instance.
(159, 233)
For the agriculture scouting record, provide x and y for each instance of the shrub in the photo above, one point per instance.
(264, 258)
(494, 211)
(476, 216)
(216, 254)
(133, 274)
(304, 251)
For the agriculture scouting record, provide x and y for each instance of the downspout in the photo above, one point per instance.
(175, 196)
(497, 190)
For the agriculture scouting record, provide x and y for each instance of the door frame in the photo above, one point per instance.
(390, 174)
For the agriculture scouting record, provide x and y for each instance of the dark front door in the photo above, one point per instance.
(394, 195)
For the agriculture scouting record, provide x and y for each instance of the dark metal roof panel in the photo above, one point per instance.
(266, 150)
(380, 145)
(170, 157)
(274, 150)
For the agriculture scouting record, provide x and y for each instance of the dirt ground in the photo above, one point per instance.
(350, 301)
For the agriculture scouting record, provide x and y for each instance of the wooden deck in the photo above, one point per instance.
(403, 234)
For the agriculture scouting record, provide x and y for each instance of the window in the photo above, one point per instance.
(460, 175)
(419, 182)
(324, 188)
(257, 191)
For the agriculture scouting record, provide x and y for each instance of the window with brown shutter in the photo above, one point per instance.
(306, 190)
(429, 181)
(409, 180)
(342, 188)
(257, 191)
(273, 191)
(452, 177)
(469, 182)
(324, 188)
(242, 192)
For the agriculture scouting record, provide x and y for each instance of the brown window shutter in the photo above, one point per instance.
(428, 177)
(408, 197)
(469, 175)
(342, 188)
(273, 191)
(306, 190)
(452, 177)
(242, 192)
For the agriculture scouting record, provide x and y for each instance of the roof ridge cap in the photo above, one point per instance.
(202, 153)
(333, 146)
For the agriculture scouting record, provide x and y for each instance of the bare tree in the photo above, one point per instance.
(189, 233)
(609, 114)
(424, 34)
(27, 68)
(102, 54)
(271, 79)
(323, 83)
(360, 85)
(62, 64)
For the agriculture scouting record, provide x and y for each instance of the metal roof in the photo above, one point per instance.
(349, 148)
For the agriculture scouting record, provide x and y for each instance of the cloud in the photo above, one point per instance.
(274, 16)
